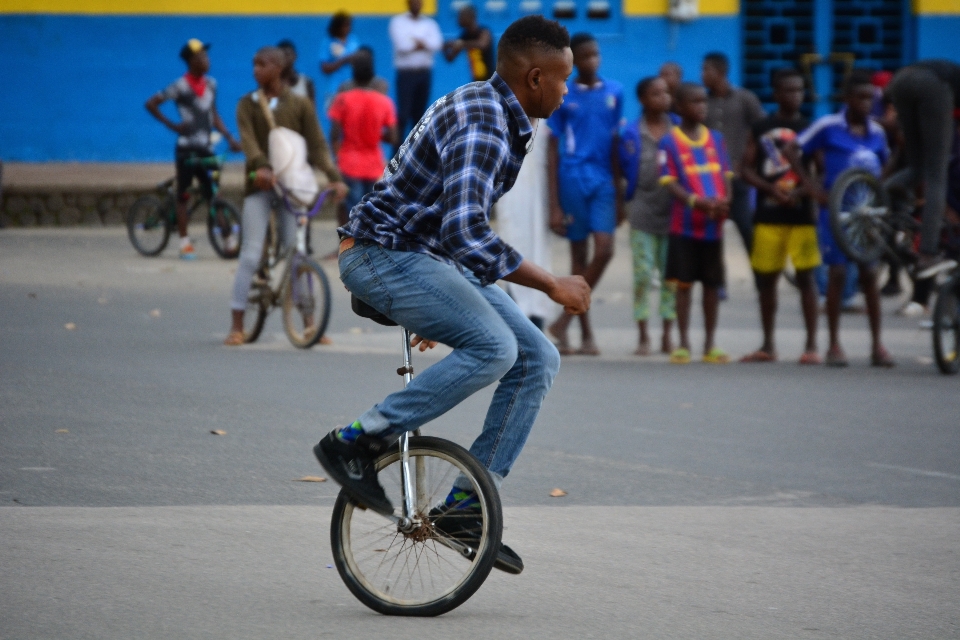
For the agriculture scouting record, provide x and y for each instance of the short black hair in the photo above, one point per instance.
(719, 60)
(272, 53)
(644, 85)
(685, 89)
(785, 73)
(533, 32)
(578, 39)
(857, 79)
(363, 68)
(336, 23)
(287, 43)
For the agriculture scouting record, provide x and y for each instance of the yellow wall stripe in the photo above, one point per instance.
(945, 7)
(192, 7)
(355, 7)
(659, 7)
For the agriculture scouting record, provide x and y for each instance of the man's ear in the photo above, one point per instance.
(534, 78)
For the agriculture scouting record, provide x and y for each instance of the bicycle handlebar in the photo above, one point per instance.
(286, 195)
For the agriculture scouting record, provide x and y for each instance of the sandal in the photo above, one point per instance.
(716, 356)
(680, 356)
(234, 339)
(810, 357)
(759, 356)
(589, 349)
(881, 358)
(836, 359)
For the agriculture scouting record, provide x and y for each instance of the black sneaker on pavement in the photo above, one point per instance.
(350, 464)
(465, 525)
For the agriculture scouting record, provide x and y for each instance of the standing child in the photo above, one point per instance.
(837, 142)
(648, 207)
(360, 119)
(195, 94)
(583, 174)
(695, 167)
(784, 222)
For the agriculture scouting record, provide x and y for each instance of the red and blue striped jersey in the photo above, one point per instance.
(701, 166)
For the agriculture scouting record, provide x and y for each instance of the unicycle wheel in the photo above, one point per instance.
(434, 563)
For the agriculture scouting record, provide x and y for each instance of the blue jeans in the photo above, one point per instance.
(491, 339)
(356, 189)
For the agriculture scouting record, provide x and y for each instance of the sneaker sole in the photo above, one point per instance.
(344, 482)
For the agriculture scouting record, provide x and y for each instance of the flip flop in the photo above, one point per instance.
(836, 359)
(882, 359)
(810, 358)
(234, 339)
(759, 356)
(589, 350)
(716, 356)
(680, 356)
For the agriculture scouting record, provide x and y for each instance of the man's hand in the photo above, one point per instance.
(423, 343)
(339, 190)
(557, 223)
(235, 145)
(264, 179)
(782, 196)
(572, 292)
(181, 128)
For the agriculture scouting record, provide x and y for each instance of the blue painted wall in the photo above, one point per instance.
(86, 78)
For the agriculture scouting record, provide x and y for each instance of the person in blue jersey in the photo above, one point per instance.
(837, 142)
(695, 168)
(584, 175)
(419, 249)
(336, 55)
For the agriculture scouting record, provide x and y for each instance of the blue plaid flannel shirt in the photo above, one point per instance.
(435, 195)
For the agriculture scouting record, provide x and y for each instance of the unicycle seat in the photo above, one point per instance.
(364, 310)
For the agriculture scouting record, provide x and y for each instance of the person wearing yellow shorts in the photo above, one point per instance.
(784, 223)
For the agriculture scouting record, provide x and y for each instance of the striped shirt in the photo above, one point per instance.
(701, 166)
(435, 195)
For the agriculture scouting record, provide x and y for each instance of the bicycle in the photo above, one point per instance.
(425, 559)
(302, 291)
(152, 218)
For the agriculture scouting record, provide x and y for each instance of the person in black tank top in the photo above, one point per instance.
(784, 223)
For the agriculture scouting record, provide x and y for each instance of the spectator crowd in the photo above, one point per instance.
(700, 153)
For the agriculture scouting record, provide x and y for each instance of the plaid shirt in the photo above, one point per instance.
(435, 196)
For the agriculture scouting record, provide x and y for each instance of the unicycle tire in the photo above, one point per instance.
(860, 215)
(424, 572)
(946, 327)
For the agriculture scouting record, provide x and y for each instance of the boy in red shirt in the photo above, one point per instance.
(361, 119)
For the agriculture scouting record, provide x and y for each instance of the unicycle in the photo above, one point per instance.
(426, 558)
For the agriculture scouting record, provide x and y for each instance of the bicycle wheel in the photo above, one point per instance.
(860, 215)
(305, 300)
(420, 571)
(223, 229)
(148, 224)
(946, 327)
(258, 304)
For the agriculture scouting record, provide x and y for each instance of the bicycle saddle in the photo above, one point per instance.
(364, 310)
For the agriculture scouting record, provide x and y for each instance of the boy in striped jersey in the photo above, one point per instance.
(696, 169)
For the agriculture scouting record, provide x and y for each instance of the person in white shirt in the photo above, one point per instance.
(416, 38)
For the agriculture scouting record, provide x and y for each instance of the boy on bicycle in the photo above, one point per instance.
(420, 250)
(195, 95)
(293, 112)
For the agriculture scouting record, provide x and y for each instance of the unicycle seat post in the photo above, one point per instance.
(409, 508)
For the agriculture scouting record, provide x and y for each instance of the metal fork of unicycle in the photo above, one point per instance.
(409, 506)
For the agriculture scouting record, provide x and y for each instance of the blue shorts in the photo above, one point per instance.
(589, 203)
(830, 251)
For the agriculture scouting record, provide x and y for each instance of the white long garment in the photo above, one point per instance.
(523, 223)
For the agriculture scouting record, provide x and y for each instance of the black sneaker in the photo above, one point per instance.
(350, 464)
(465, 525)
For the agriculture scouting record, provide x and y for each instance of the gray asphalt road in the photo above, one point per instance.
(682, 482)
